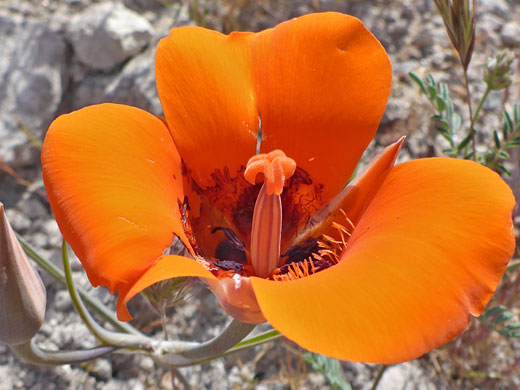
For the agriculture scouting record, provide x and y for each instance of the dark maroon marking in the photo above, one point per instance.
(235, 198)
(319, 265)
(303, 251)
(231, 237)
(299, 205)
(227, 251)
(184, 209)
(229, 265)
(184, 169)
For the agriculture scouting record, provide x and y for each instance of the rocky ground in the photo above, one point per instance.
(59, 55)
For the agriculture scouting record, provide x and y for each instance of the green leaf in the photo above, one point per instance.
(494, 310)
(419, 82)
(508, 121)
(506, 315)
(503, 154)
(503, 169)
(455, 122)
(505, 130)
(431, 81)
(513, 267)
(464, 142)
(441, 104)
(497, 139)
(432, 94)
(329, 368)
(512, 326)
(511, 144)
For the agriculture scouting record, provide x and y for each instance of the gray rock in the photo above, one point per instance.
(102, 369)
(62, 301)
(32, 60)
(511, 34)
(497, 7)
(33, 208)
(488, 28)
(425, 39)
(7, 380)
(106, 34)
(50, 228)
(18, 220)
(405, 376)
(134, 85)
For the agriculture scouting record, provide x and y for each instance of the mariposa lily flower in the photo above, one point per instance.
(380, 270)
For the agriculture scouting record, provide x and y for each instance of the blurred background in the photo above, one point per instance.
(60, 55)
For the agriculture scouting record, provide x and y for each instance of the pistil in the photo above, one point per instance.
(266, 229)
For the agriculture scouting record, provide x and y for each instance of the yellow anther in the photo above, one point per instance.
(276, 168)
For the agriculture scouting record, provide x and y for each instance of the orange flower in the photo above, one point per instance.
(381, 270)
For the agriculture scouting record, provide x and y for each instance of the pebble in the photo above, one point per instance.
(510, 35)
(62, 301)
(18, 220)
(496, 7)
(405, 376)
(32, 66)
(134, 85)
(106, 34)
(102, 369)
(7, 380)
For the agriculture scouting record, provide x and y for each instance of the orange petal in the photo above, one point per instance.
(114, 182)
(354, 198)
(319, 83)
(204, 81)
(322, 82)
(428, 251)
(235, 295)
(166, 268)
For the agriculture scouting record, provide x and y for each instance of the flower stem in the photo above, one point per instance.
(480, 104)
(122, 340)
(380, 373)
(212, 349)
(59, 276)
(176, 374)
(246, 344)
(471, 126)
(234, 332)
(31, 353)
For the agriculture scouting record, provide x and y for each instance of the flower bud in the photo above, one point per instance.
(498, 73)
(22, 293)
(459, 17)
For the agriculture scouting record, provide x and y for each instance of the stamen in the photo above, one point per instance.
(267, 216)
(328, 254)
(301, 269)
(331, 248)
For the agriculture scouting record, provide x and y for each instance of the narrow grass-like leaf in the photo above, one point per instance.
(503, 317)
(329, 368)
(464, 142)
(496, 139)
(419, 82)
(494, 310)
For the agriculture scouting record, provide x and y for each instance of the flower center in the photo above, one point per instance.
(266, 229)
